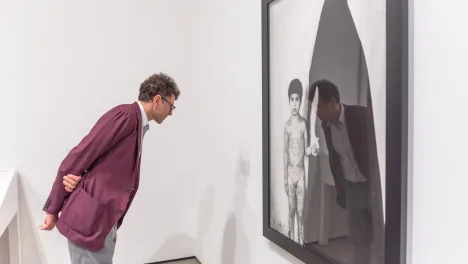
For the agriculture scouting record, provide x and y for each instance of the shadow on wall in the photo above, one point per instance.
(236, 246)
(190, 244)
(32, 250)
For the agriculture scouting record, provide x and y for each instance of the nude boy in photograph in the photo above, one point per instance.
(295, 142)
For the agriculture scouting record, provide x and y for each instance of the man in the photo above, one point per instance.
(295, 143)
(351, 143)
(106, 167)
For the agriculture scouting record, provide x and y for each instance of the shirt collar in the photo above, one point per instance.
(144, 118)
(342, 114)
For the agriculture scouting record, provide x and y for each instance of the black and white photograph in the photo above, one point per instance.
(325, 86)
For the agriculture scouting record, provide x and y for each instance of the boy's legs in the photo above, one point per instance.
(300, 198)
(292, 201)
(80, 255)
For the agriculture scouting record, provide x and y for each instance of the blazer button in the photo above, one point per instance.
(121, 212)
(129, 190)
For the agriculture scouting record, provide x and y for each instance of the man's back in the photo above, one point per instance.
(102, 174)
(110, 180)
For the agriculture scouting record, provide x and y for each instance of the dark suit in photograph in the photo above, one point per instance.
(351, 144)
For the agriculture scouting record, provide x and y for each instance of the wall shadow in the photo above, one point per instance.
(188, 245)
(228, 253)
(235, 244)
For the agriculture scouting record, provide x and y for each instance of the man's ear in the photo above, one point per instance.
(156, 99)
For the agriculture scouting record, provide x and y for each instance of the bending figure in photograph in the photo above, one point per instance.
(350, 143)
(295, 142)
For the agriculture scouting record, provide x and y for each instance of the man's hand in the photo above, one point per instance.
(49, 222)
(314, 147)
(70, 182)
(286, 187)
(308, 151)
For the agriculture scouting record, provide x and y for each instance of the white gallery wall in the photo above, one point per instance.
(228, 79)
(438, 110)
(64, 64)
(439, 214)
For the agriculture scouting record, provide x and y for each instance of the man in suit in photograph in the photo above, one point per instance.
(350, 139)
(98, 179)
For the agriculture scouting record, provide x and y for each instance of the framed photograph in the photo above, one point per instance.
(335, 113)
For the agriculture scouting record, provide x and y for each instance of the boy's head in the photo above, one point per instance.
(295, 96)
(329, 99)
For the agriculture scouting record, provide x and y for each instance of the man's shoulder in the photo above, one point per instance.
(126, 109)
(121, 112)
(355, 109)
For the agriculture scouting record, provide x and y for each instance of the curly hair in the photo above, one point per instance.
(161, 84)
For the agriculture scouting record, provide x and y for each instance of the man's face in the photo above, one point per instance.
(294, 103)
(162, 107)
(326, 109)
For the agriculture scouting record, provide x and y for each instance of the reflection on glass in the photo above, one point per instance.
(331, 199)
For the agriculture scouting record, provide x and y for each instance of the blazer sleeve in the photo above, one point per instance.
(108, 130)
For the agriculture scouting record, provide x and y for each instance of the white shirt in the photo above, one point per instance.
(340, 139)
(145, 122)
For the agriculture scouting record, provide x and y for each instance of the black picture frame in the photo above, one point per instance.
(396, 138)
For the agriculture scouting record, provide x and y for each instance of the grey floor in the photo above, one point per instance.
(187, 261)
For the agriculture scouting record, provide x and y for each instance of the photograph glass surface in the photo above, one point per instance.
(327, 98)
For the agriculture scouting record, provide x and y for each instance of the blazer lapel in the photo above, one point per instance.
(327, 132)
(356, 127)
(138, 114)
(353, 127)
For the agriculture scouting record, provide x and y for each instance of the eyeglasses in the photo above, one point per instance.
(172, 106)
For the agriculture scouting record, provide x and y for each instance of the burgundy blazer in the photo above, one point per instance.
(108, 158)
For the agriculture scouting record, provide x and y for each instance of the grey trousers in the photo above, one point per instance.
(359, 217)
(80, 255)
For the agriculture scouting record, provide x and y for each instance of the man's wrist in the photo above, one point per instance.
(50, 211)
(49, 214)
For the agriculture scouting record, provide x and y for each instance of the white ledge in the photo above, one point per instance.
(9, 213)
